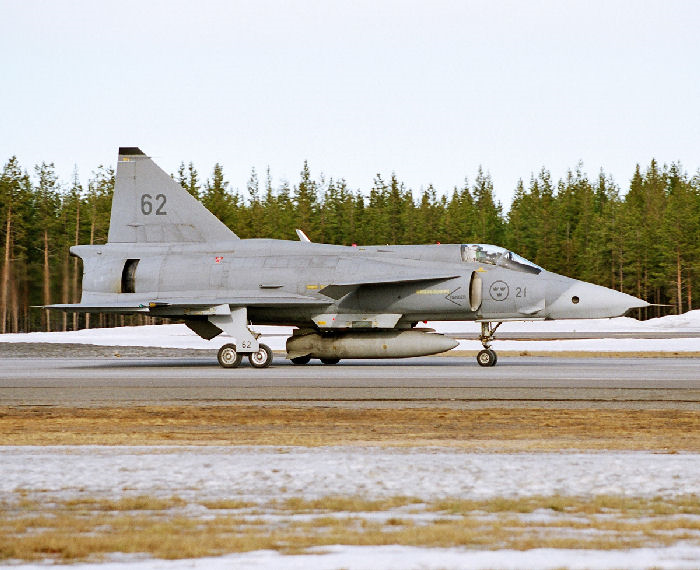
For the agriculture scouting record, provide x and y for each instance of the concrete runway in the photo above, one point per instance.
(431, 381)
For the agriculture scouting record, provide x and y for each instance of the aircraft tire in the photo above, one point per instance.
(229, 357)
(301, 360)
(333, 360)
(262, 358)
(487, 358)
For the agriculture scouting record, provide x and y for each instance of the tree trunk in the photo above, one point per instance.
(27, 325)
(679, 283)
(65, 285)
(92, 239)
(74, 295)
(621, 275)
(690, 291)
(47, 282)
(646, 288)
(6, 274)
(611, 268)
(14, 305)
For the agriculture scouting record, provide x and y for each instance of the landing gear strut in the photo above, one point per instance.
(235, 323)
(487, 357)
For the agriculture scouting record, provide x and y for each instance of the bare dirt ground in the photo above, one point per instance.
(493, 430)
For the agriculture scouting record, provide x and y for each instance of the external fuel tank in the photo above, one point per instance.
(369, 344)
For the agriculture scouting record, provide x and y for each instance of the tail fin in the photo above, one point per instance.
(150, 207)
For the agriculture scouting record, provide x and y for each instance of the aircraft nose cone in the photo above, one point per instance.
(581, 300)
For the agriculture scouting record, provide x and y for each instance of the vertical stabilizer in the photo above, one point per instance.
(150, 207)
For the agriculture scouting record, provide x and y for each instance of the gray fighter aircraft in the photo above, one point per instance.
(168, 256)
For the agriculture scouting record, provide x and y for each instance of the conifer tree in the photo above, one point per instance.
(398, 204)
(306, 204)
(605, 238)
(521, 235)
(334, 214)
(255, 219)
(427, 228)
(489, 215)
(643, 241)
(219, 201)
(10, 182)
(376, 217)
(287, 220)
(69, 235)
(188, 177)
(681, 228)
(270, 209)
(47, 205)
(460, 216)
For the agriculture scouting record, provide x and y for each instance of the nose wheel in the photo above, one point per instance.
(487, 357)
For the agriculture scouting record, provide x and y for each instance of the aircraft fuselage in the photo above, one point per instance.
(266, 267)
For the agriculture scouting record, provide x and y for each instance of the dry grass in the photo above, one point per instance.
(493, 430)
(71, 531)
(597, 505)
(227, 504)
(137, 503)
(347, 504)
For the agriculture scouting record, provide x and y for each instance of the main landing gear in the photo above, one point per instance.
(229, 357)
(234, 322)
(487, 357)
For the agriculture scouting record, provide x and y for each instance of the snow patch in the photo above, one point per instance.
(179, 336)
(679, 557)
(257, 473)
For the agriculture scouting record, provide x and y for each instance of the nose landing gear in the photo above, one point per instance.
(487, 357)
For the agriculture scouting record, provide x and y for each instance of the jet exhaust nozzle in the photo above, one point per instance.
(375, 344)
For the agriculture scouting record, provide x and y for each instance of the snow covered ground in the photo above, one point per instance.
(415, 558)
(260, 474)
(179, 336)
(255, 474)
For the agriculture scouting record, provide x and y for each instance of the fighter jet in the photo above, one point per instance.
(167, 256)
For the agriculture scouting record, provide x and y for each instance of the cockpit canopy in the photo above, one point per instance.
(494, 255)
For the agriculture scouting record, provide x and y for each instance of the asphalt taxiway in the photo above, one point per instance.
(196, 379)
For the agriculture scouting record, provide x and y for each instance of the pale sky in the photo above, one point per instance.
(429, 90)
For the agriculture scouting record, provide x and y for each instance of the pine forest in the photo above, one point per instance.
(643, 238)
